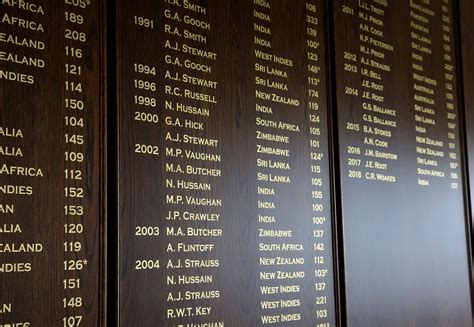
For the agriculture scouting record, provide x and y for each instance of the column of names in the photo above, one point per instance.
(193, 166)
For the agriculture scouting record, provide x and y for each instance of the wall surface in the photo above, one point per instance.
(204, 163)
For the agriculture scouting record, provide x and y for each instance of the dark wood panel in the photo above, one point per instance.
(51, 123)
(406, 258)
(466, 9)
(196, 72)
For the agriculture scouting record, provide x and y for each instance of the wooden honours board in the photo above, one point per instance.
(50, 162)
(269, 163)
(225, 208)
(405, 246)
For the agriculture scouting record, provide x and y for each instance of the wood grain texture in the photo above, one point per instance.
(466, 10)
(149, 298)
(406, 261)
(38, 109)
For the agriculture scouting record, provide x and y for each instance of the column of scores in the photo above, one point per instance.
(224, 146)
(50, 152)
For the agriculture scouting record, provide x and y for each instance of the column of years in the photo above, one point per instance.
(174, 97)
(229, 220)
(371, 155)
